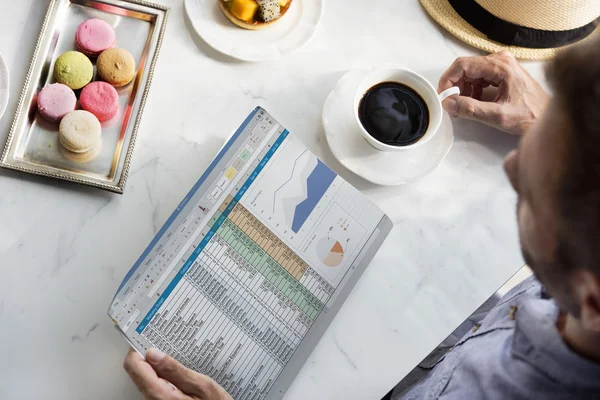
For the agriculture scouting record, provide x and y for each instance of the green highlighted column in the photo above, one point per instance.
(270, 269)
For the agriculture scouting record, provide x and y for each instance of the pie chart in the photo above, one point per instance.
(330, 252)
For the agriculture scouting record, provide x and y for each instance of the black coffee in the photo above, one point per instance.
(394, 114)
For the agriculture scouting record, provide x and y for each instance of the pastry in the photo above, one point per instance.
(116, 66)
(79, 131)
(73, 69)
(254, 14)
(94, 36)
(55, 101)
(101, 99)
(83, 157)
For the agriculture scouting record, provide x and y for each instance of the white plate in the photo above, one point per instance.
(293, 31)
(4, 85)
(353, 152)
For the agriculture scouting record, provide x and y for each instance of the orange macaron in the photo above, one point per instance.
(116, 66)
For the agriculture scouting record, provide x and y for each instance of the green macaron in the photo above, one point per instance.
(73, 69)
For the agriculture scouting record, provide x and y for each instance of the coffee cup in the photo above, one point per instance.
(425, 91)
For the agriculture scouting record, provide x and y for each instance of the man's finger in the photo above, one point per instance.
(465, 88)
(477, 92)
(466, 107)
(480, 82)
(145, 378)
(488, 69)
(188, 381)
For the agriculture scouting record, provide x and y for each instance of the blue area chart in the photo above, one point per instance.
(317, 184)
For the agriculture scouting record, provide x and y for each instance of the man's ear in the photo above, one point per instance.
(588, 293)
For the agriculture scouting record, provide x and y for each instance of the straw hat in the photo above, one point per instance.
(530, 29)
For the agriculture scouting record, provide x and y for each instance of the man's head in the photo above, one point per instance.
(556, 173)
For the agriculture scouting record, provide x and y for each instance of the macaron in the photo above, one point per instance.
(94, 36)
(116, 66)
(101, 99)
(73, 69)
(83, 157)
(55, 101)
(79, 131)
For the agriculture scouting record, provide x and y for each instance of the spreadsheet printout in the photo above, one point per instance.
(252, 266)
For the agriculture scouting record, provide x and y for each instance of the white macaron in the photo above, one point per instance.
(79, 131)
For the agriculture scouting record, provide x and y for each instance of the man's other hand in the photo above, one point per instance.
(518, 103)
(161, 377)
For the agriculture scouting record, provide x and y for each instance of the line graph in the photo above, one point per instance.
(292, 192)
(317, 184)
(288, 181)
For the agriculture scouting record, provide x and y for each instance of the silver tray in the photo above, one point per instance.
(32, 145)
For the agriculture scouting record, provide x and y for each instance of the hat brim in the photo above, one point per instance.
(445, 15)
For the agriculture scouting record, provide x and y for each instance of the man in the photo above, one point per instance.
(529, 345)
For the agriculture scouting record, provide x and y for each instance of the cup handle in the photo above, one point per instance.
(453, 91)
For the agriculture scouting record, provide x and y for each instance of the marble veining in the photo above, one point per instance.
(64, 248)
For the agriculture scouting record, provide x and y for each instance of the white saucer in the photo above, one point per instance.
(353, 152)
(292, 32)
(4, 85)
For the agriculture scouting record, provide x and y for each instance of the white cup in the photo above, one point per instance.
(419, 84)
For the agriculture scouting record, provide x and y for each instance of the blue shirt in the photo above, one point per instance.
(516, 352)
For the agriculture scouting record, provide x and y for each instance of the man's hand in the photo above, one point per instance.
(157, 376)
(519, 102)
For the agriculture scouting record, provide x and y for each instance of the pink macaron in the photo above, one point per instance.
(94, 36)
(101, 99)
(55, 101)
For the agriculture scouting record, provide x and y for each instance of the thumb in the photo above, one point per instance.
(190, 382)
(470, 108)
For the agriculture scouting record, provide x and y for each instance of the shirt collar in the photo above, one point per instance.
(538, 342)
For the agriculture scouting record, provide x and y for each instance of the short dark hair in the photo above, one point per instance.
(575, 77)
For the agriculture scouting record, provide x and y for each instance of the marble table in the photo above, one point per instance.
(64, 248)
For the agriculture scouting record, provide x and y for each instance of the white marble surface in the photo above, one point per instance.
(65, 248)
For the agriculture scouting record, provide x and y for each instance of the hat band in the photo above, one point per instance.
(511, 34)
